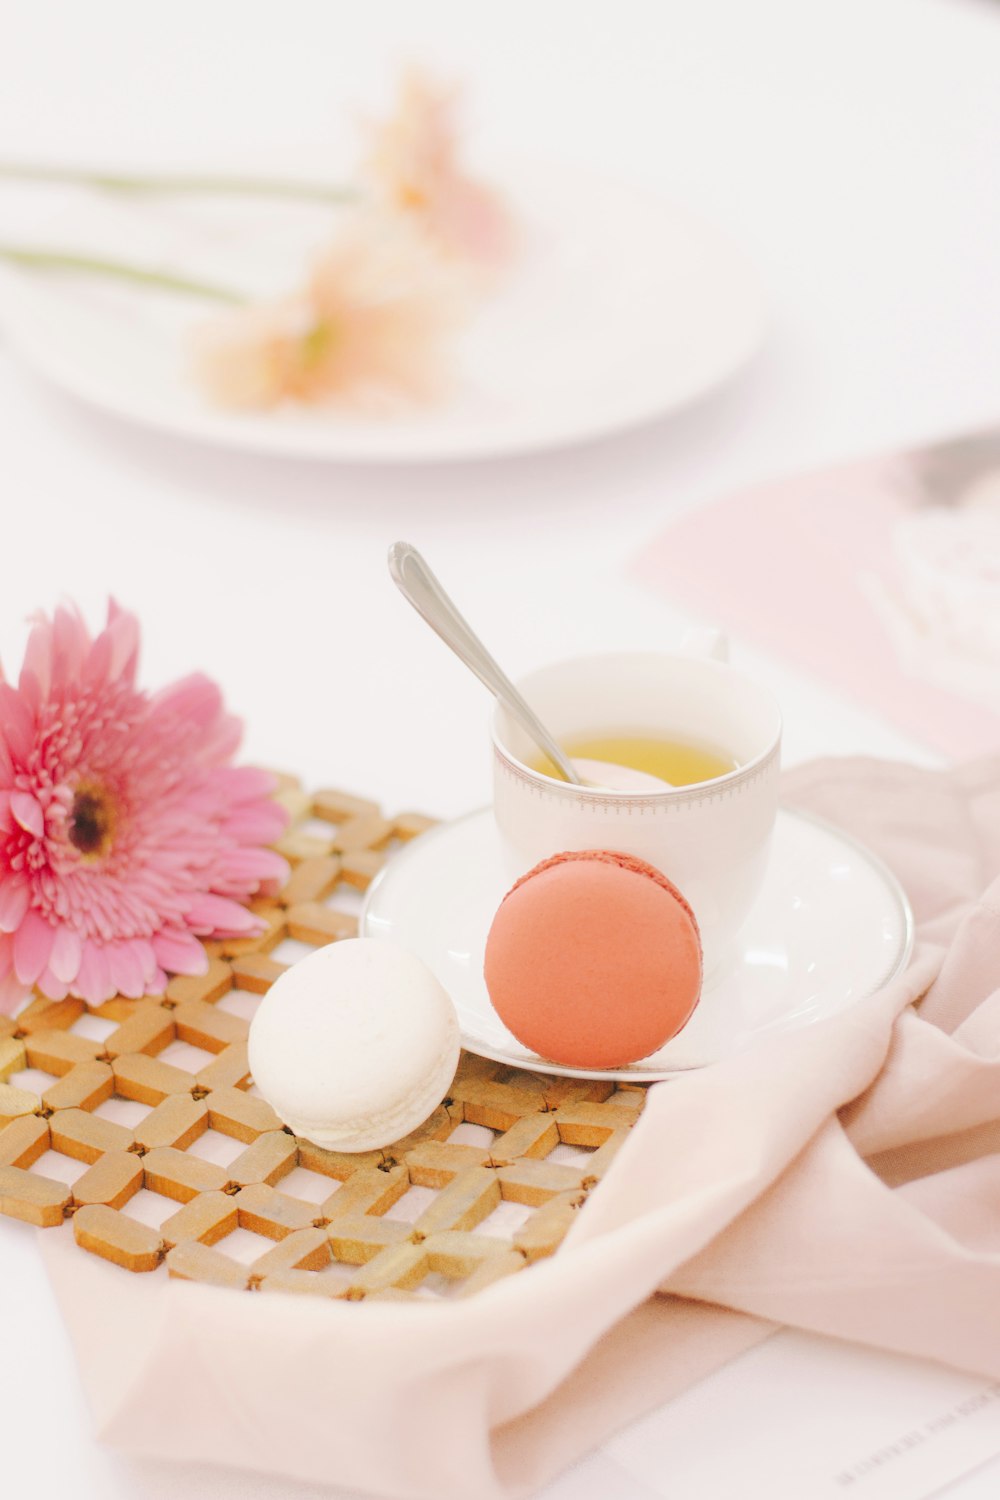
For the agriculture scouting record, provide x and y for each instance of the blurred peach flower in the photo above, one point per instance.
(370, 328)
(413, 168)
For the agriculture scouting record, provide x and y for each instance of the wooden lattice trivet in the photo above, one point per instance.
(139, 1119)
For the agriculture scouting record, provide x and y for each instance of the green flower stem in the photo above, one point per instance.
(180, 183)
(57, 260)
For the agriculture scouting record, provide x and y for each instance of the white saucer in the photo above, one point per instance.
(830, 927)
(622, 308)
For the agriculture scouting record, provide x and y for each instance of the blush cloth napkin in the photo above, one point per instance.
(844, 1179)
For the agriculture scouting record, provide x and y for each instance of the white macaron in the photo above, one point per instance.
(355, 1046)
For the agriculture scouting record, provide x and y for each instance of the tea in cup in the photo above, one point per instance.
(674, 762)
(710, 731)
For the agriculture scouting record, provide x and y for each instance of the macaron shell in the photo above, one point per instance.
(594, 960)
(354, 1046)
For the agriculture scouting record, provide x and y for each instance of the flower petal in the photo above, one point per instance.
(257, 824)
(28, 813)
(14, 897)
(97, 667)
(37, 664)
(247, 783)
(123, 628)
(30, 689)
(6, 954)
(211, 914)
(151, 971)
(126, 970)
(246, 866)
(67, 951)
(179, 952)
(51, 987)
(93, 981)
(70, 644)
(12, 992)
(18, 723)
(32, 945)
(195, 697)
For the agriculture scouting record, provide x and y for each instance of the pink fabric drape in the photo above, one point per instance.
(844, 1179)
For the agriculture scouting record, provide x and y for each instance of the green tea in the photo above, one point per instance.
(678, 761)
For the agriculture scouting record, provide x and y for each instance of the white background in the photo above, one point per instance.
(850, 147)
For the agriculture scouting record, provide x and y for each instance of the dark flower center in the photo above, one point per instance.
(92, 821)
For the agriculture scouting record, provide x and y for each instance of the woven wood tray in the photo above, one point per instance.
(139, 1120)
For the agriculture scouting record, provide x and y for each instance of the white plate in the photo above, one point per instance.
(830, 927)
(621, 308)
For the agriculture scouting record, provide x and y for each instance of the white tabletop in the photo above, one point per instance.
(850, 147)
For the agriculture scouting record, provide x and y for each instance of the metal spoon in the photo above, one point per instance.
(417, 583)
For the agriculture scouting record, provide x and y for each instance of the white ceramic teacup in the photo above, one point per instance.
(711, 839)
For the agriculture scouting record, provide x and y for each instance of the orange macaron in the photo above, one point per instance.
(594, 959)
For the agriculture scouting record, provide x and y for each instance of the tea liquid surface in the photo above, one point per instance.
(677, 761)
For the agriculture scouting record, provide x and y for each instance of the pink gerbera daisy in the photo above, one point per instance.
(125, 833)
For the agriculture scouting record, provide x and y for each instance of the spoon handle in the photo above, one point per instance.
(418, 584)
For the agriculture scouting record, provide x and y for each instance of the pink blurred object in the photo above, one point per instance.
(842, 1178)
(882, 577)
(125, 834)
(370, 328)
(415, 169)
